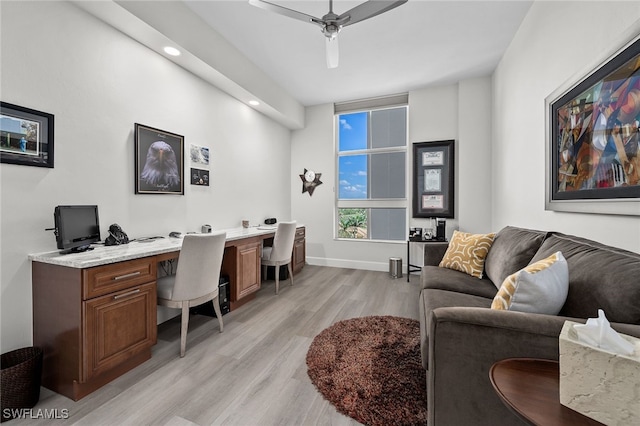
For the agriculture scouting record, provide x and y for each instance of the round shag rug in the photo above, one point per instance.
(369, 368)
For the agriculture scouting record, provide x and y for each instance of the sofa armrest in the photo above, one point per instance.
(463, 345)
(434, 252)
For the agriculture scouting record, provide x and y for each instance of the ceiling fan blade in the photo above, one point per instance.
(333, 52)
(368, 10)
(286, 12)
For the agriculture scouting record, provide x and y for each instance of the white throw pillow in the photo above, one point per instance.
(540, 287)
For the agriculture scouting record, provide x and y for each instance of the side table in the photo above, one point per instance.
(434, 250)
(530, 388)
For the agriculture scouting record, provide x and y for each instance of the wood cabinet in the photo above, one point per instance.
(95, 316)
(241, 263)
(248, 280)
(299, 250)
(117, 325)
(93, 324)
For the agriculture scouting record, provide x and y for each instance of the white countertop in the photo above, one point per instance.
(102, 255)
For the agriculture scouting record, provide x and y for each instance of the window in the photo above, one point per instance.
(371, 162)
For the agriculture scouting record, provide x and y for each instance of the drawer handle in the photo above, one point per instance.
(125, 276)
(129, 293)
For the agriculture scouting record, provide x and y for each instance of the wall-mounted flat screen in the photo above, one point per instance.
(76, 227)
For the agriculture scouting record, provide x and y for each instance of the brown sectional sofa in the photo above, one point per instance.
(461, 337)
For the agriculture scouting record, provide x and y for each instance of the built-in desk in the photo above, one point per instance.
(94, 313)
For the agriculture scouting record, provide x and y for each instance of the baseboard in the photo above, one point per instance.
(352, 264)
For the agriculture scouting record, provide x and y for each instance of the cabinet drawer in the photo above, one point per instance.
(300, 233)
(106, 279)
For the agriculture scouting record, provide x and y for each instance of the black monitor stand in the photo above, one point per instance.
(77, 249)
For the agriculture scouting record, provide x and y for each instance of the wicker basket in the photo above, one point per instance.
(21, 374)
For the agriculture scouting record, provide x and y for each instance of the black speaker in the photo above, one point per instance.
(223, 298)
(270, 221)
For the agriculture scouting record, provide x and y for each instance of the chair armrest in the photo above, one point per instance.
(463, 345)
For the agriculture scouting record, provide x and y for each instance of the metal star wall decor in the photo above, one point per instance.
(310, 180)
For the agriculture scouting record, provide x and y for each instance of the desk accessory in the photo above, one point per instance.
(441, 225)
(415, 234)
(116, 236)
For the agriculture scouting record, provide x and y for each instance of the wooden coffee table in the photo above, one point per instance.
(530, 388)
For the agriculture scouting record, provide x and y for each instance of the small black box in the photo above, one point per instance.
(223, 298)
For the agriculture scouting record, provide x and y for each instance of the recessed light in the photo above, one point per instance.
(171, 51)
(254, 103)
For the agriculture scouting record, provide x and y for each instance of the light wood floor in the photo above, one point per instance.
(252, 374)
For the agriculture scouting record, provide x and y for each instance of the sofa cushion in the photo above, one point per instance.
(434, 277)
(431, 299)
(467, 252)
(538, 288)
(600, 277)
(512, 249)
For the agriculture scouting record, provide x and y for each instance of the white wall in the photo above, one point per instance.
(98, 83)
(555, 42)
(460, 111)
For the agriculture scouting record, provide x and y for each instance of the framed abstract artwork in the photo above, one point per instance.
(26, 136)
(433, 179)
(159, 161)
(593, 138)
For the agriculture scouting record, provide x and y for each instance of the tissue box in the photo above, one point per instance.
(600, 384)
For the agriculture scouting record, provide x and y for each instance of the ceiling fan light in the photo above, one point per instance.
(333, 53)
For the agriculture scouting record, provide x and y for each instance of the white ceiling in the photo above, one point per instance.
(420, 43)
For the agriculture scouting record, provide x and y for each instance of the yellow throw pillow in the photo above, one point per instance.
(540, 288)
(467, 252)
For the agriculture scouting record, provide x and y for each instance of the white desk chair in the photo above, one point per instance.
(280, 253)
(196, 279)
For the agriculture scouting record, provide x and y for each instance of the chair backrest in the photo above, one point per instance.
(199, 265)
(283, 242)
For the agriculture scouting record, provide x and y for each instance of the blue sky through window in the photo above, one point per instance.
(353, 131)
(353, 177)
(352, 135)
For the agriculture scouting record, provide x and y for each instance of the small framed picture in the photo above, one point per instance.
(199, 177)
(26, 136)
(199, 155)
(159, 158)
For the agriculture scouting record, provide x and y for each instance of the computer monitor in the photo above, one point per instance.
(76, 227)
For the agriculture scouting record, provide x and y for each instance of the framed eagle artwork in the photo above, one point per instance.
(159, 161)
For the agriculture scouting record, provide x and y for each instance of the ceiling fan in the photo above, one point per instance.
(332, 23)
